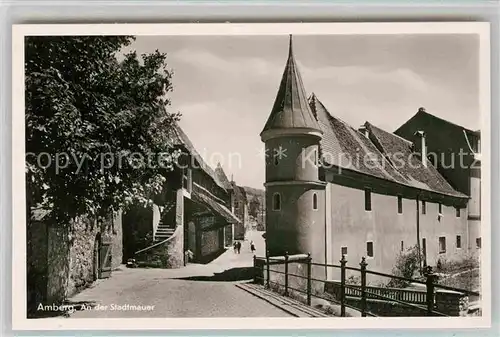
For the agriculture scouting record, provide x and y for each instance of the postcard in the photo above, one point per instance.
(251, 176)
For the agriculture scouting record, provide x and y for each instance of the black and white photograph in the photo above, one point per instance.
(195, 175)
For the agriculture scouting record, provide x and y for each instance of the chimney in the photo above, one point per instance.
(364, 130)
(423, 147)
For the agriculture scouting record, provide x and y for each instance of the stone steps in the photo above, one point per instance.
(163, 232)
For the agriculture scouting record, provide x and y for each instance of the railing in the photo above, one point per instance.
(405, 295)
(157, 244)
(422, 303)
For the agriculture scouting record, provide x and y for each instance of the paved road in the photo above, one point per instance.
(192, 291)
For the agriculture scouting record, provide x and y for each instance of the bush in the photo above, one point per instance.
(469, 262)
(353, 280)
(407, 264)
(463, 274)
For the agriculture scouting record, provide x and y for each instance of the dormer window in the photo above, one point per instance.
(473, 141)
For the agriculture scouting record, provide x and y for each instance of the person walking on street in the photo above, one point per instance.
(235, 247)
(238, 246)
(252, 247)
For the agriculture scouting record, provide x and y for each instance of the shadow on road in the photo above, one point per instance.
(233, 274)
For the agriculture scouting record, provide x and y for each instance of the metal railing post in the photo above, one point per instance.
(431, 278)
(286, 273)
(363, 265)
(309, 267)
(255, 273)
(268, 271)
(343, 262)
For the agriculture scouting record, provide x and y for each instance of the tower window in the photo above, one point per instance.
(478, 242)
(423, 207)
(440, 208)
(402, 246)
(459, 241)
(400, 204)
(276, 202)
(442, 244)
(316, 162)
(368, 200)
(369, 249)
(457, 212)
(315, 201)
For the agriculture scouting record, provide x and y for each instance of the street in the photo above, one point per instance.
(193, 291)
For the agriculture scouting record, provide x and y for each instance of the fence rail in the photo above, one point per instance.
(342, 292)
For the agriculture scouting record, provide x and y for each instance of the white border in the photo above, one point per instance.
(19, 320)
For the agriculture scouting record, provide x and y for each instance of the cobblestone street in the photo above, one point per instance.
(193, 291)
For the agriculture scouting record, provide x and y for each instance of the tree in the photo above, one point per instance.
(254, 208)
(96, 125)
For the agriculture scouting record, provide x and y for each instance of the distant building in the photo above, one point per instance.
(240, 209)
(334, 190)
(456, 153)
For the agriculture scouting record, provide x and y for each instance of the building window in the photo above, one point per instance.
(457, 212)
(316, 157)
(402, 246)
(187, 180)
(424, 250)
(276, 202)
(400, 204)
(440, 209)
(343, 251)
(459, 241)
(369, 249)
(424, 211)
(368, 200)
(478, 242)
(442, 244)
(315, 201)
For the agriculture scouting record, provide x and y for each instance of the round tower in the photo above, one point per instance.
(295, 196)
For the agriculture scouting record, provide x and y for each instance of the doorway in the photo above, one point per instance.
(97, 256)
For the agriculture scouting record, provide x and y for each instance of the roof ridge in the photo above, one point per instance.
(445, 120)
(390, 133)
(192, 149)
(423, 111)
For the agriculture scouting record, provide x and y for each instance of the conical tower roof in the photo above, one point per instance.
(291, 109)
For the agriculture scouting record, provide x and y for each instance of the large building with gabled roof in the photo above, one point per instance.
(334, 190)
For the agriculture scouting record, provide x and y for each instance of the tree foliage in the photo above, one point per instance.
(96, 124)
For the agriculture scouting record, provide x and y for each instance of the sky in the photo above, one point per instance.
(225, 86)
